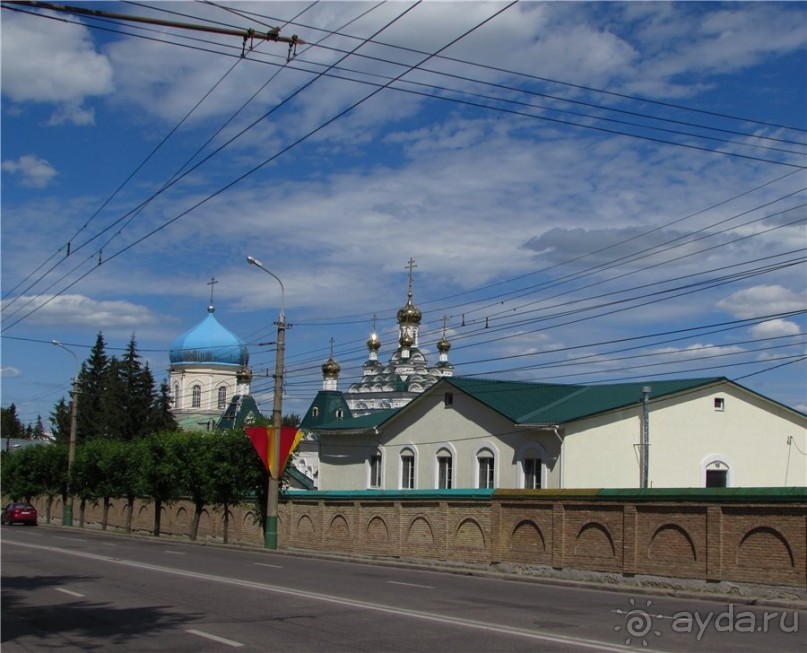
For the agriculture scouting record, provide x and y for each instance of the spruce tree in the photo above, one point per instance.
(11, 425)
(92, 400)
(60, 420)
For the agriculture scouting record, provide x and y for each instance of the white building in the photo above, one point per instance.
(471, 433)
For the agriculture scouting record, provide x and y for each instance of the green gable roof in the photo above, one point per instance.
(548, 403)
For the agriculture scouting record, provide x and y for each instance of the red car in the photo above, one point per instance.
(23, 513)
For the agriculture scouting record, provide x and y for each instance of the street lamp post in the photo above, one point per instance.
(272, 495)
(67, 514)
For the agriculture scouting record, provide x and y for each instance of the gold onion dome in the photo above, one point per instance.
(409, 314)
(443, 344)
(331, 368)
(407, 340)
(374, 342)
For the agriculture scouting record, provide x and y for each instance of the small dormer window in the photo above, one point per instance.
(720, 404)
(315, 411)
(340, 413)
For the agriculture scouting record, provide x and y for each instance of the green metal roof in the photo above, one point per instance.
(363, 422)
(540, 403)
(549, 403)
(324, 409)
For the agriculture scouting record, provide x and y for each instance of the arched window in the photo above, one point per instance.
(175, 398)
(484, 461)
(407, 469)
(445, 470)
(222, 400)
(531, 458)
(716, 472)
(196, 396)
(374, 463)
(531, 466)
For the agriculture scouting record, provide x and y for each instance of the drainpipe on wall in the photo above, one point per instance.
(560, 457)
(644, 449)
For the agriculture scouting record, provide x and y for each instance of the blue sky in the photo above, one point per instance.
(592, 192)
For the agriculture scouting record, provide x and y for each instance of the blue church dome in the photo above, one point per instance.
(209, 342)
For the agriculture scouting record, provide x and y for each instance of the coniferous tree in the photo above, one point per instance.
(38, 429)
(60, 419)
(161, 417)
(93, 388)
(11, 425)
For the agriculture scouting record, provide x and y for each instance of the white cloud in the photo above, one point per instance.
(775, 328)
(8, 372)
(78, 310)
(47, 61)
(762, 300)
(34, 172)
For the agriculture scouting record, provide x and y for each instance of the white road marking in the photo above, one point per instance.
(178, 553)
(70, 592)
(566, 640)
(215, 638)
(396, 582)
(266, 564)
(72, 539)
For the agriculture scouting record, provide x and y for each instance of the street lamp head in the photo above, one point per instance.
(253, 261)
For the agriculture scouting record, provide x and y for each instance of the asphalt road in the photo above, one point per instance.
(84, 590)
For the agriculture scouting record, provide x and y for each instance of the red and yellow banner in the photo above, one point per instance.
(263, 441)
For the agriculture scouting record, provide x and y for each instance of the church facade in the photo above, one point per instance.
(209, 371)
(406, 374)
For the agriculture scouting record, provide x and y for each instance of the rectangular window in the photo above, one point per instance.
(444, 473)
(532, 473)
(408, 472)
(720, 403)
(375, 470)
(448, 399)
(486, 472)
(716, 477)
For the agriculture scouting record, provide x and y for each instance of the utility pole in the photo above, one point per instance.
(67, 513)
(273, 490)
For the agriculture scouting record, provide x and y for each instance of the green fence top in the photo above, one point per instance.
(389, 495)
(720, 495)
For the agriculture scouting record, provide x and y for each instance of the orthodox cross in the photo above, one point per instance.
(411, 266)
(212, 284)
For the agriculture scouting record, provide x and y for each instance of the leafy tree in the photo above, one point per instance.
(123, 463)
(236, 473)
(46, 466)
(193, 453)
(87, 475)
(18, 477)
(161, 476)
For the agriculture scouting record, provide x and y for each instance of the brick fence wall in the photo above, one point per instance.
(744, 535)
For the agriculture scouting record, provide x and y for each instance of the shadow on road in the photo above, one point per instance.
(30, 614)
